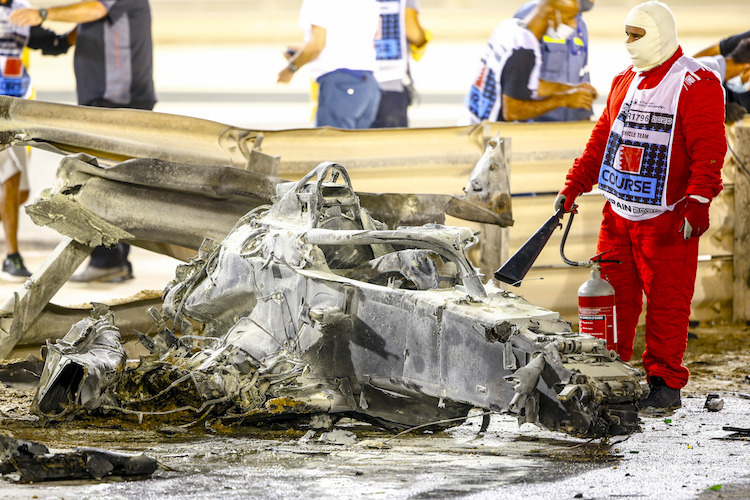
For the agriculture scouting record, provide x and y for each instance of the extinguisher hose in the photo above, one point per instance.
(562, 245)
(588, 263)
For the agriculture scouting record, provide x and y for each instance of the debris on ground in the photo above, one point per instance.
(80, 368)
(338, 436)
(31, 462)
(714, 402)
(742, 433)
(23, 373)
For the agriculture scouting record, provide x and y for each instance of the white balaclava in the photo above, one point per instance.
(660, 41)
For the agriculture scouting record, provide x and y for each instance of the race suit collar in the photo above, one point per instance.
(652, 77)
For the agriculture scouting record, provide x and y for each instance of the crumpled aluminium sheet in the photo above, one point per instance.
(81, 367)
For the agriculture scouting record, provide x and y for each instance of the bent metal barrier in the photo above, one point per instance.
(171, 202)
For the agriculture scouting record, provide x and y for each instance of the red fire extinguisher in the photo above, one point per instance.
(597, 315)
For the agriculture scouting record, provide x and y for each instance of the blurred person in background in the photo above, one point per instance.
(731, 58)
(507, 86)
(16, 82)
(401, 35)
(339, 50)
(113, 65)
(564, 60)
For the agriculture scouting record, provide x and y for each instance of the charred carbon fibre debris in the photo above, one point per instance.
(32, 462)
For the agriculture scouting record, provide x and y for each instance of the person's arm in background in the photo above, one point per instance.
(547, 88)
(309, 52)
(724, 47)
(415, 34)
(515, 109)
(79, 13)
(713, 50)
(518, 100)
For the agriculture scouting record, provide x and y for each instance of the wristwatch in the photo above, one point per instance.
(42, 14)
(292, 67)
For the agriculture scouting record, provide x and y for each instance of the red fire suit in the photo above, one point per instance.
(655, 257)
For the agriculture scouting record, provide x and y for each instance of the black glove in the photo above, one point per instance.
(49, 42)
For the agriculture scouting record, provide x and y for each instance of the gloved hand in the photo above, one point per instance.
(565, 199)
(695, 219)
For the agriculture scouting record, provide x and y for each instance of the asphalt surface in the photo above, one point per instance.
(682, 455)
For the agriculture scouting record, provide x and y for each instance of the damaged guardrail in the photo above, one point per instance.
(166, 206)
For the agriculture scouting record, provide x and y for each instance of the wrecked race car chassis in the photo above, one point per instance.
(312, 307)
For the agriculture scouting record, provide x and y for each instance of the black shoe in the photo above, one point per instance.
(14, 269)
(661, 397)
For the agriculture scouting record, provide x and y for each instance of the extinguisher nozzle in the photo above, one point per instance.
(511, 279)
(514, 270)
